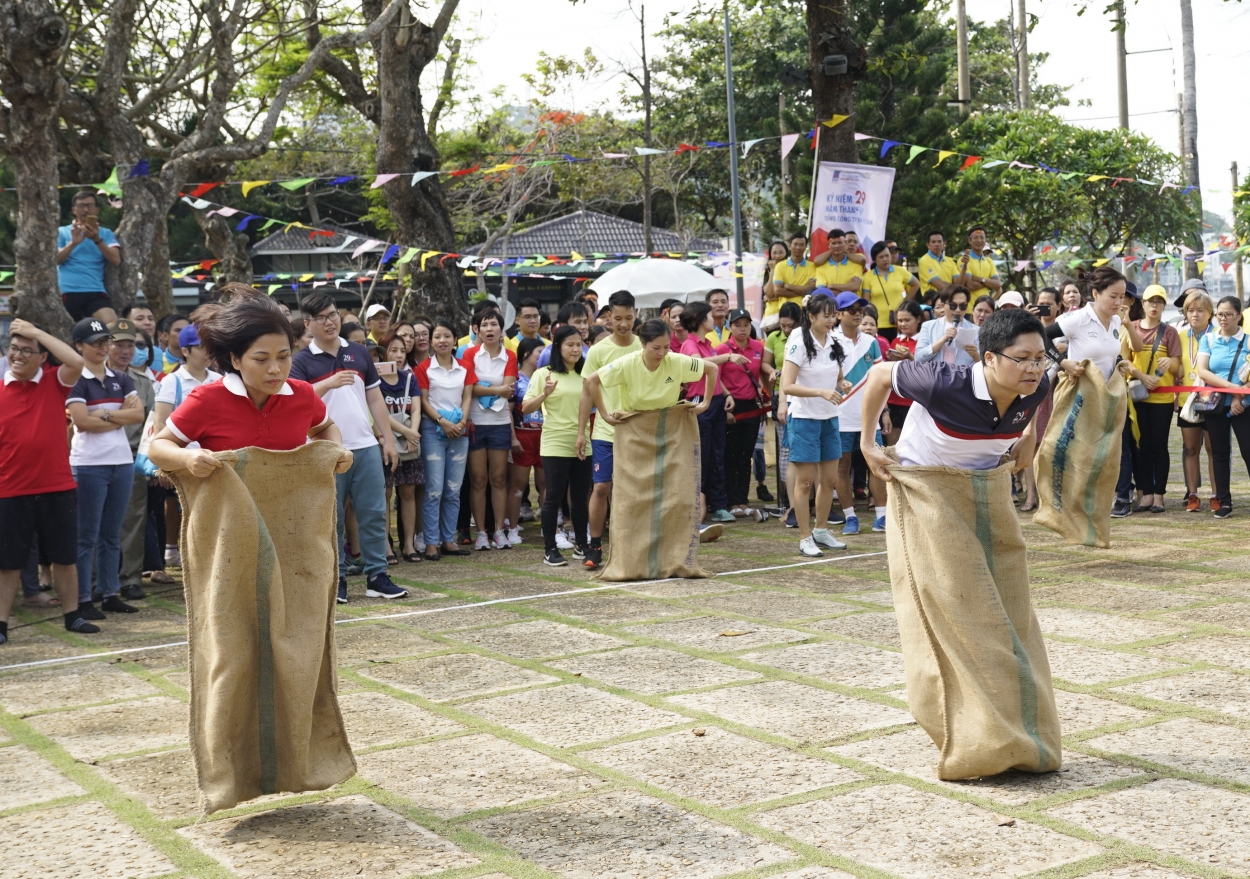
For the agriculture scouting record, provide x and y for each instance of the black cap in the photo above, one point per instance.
(738, 314)
(89, 330)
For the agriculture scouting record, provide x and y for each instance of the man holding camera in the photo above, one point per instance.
(83, 247)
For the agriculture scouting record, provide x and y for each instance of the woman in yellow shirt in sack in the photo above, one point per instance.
(1199, 312)
(1156, 364)
(557, 389)
(887, 286)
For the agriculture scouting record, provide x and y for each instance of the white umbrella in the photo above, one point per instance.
(654, 280)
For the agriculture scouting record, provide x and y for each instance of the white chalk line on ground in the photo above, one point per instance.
(633, 584)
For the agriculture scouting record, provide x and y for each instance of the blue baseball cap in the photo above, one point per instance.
(188, 337)
(849, 300)
(824, 291)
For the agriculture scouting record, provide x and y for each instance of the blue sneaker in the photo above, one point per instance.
(792, 521)
(852, 525)
(722, 516)
(342, 596)
(380, 586)
(879, 525)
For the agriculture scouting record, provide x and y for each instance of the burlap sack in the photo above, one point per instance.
(1078, 462)
(260, 573)
(655, 485)
(978, 680)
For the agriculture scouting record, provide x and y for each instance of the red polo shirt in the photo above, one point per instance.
(34, 454)
(221, 417)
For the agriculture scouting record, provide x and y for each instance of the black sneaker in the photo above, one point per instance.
(380, 586)
(762, 492)
(341, 598)
(1223, 512)
(113, 604)
(836, 517)
(133, 593)
(89, 611)
(1121, 509)
(579, 552)
(594, 558)
(553, 558)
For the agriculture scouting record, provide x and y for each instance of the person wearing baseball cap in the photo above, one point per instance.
(1011, 299)
(743, 383)
(1158, 363)
(100, 405)
(1190, 286)
(377, 321)
(860, 352)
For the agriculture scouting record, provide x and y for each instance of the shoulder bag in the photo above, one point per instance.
(407, 451)
(1137, 390)
(1211, 401)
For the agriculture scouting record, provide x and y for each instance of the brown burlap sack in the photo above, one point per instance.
(978, 680)
(1078, 461)
(655, 485)
(260, 572)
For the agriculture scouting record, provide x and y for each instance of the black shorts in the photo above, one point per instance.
(81, 305)
(898, 415)
(1181, 422)
(52, 518)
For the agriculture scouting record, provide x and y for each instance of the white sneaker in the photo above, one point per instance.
(822, 537)
(173, 558)
(757, 514)
(514, 537)
(808, 547)
(483, 542)
(501, 540)
(562, 540)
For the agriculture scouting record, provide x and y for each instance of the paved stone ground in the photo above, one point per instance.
(746, 726)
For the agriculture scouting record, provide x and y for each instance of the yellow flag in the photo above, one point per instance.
(249, 185)
(577, 256)
(943, 155)
(425, 256)
(306, 278)
(1096, 178)
(1101, 262)
(498, 168)
(835, 120)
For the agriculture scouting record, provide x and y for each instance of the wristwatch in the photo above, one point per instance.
(108, 415)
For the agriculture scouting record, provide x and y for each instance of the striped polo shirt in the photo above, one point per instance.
(109, 447)
(953, 422)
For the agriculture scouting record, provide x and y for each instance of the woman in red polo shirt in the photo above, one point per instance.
(250, 341)
(745, 385)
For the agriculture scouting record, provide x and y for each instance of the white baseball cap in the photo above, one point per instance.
(1011, 297)
(376, 308)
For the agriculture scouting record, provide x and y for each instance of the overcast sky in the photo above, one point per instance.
(1082, 55)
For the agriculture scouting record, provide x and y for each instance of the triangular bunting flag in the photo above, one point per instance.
(645, 151)
(293, 185)
(249, 185)
(787, 143)
(421, 175)
(382, 180)
(407, 257)
(915, 151)
(943, 155)
(746, 146)
(887, 146)
(834, 121)
(199, 190)
(969, 162)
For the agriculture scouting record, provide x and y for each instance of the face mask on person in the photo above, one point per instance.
(140, 359)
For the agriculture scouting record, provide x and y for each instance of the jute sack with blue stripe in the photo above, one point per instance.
(260, 572)
(655, 487)
(1078, 461)
(978, 680)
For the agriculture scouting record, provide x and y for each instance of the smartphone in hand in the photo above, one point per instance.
(386, 368)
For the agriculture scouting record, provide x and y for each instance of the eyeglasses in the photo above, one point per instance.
(960, 306)
(1226, 315)
(325, 318)
(1028, 365)
(24, 352)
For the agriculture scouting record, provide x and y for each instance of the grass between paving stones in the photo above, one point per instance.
(497, 858)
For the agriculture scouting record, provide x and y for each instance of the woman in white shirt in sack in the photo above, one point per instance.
(811, 379)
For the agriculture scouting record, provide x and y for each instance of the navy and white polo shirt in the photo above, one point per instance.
(109, 447)
(346, 405)
(953, 422)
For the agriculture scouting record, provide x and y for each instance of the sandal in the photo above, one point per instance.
(41, 599)
(412, 556)
(392, 559)
(161, 577)
(456, 551)
(1028, 506)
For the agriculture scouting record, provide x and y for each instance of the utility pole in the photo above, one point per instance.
(646, 134)
(733, 156)
(1121, 63)
(1237, 281)
(785, 167)
(961, 54)
(1022, 54)
(1189, 115)
(1180, 131)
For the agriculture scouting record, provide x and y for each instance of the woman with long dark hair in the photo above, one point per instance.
(811, 379)
(406, 480)
(556, 390)
(1222, 363)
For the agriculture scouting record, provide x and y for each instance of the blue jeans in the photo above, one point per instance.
(445, 460)
(365, 484)
(103, 495)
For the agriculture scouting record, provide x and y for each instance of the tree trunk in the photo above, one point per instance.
(32, 38)
(229, 246)
(1189, 119)
(403, 50)
(158, 287)
(828, 33)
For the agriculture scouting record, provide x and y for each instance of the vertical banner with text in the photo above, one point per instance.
(851, 198)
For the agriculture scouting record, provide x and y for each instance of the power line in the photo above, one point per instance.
(1103, 118)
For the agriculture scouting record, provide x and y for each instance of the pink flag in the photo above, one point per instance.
(382, 179)
(787, 143)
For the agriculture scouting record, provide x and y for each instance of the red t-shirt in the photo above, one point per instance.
(34, 451)
(221, 417)
(699, 347)
(886, 345)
